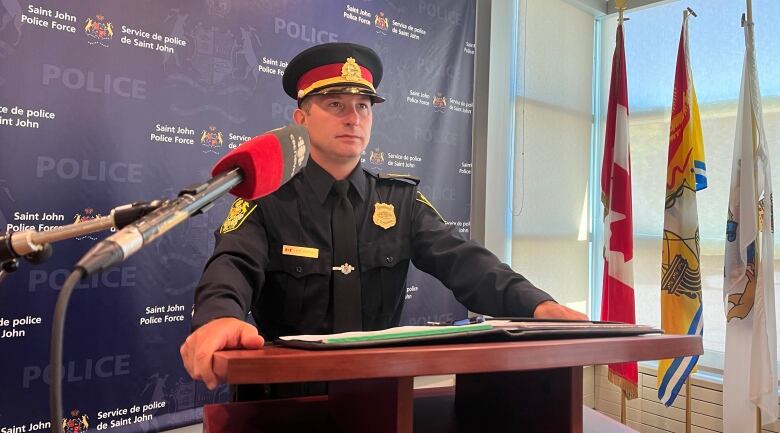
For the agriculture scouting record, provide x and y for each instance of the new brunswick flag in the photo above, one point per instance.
(617, 299)
(681, 302)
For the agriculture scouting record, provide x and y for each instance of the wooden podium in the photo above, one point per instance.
(523, 386)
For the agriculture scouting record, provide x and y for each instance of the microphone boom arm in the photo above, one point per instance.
(124, 243)
(28, 243)
(192, 201)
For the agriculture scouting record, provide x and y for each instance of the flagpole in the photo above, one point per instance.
(688, 404)
(620, 5)
(749, 21)
(622, 407)
(686, 13)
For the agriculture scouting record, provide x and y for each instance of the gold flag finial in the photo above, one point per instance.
(620, 5)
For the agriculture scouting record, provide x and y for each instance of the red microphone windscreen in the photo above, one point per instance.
(266, 161)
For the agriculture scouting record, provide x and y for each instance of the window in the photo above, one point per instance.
(553, 124)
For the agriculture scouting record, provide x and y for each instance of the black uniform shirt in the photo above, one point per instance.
(263, 260)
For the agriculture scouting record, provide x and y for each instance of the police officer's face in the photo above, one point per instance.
(339, 126)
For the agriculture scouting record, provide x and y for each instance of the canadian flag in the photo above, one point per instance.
(617, 300)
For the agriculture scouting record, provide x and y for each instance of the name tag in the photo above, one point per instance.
(290, 250)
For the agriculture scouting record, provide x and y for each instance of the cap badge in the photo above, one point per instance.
(384, 215)
(350, 71)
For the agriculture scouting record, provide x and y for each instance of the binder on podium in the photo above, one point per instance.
(490, 330)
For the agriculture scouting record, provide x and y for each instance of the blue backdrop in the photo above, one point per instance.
(103, 103)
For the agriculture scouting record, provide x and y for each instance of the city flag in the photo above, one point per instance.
(681, 301)
(750, 369)
(617, 299)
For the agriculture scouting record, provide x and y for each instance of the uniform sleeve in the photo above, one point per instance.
(477, 278)
(234, 274)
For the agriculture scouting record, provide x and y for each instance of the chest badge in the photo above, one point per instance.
(384, 215)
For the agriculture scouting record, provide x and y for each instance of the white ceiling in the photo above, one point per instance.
(607, 7)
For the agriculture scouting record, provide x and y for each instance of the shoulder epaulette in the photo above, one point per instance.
(400, 177)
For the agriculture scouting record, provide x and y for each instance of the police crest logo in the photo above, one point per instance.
(439, 102)
(381, 22)
(384, 215)
(237, 215)
(100, 30)
(88, 215)
(377, 157)
(76, 423)
(211, 138)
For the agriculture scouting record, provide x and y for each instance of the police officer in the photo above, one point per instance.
(330, 250)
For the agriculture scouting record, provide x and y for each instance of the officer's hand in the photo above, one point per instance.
(224, 333)
(554, 310)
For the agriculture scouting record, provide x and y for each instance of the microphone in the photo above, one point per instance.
(266, 161)
(34, 245)
(254, 169)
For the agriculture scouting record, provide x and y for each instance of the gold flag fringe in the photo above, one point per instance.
(629, 388)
